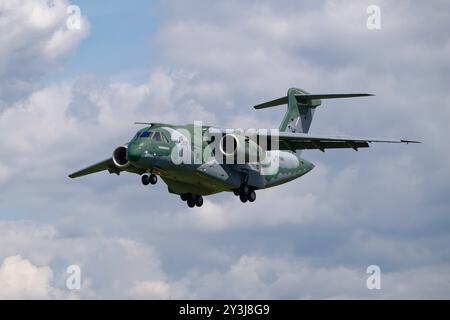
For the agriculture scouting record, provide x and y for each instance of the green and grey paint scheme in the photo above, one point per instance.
(149, 153)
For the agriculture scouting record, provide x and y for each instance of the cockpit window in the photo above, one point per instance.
(146, 134)
(157, 136)
(136, 136)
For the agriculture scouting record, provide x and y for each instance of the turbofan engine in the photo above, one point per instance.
(241, 149)
(120, 157)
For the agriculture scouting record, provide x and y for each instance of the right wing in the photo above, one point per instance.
(107, 164)
(302, 141)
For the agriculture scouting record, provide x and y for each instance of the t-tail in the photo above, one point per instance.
(301, 107)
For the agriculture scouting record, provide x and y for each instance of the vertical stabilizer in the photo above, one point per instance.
(299, 113)
(301, 107)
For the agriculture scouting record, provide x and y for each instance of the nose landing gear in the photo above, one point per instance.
(149, 179)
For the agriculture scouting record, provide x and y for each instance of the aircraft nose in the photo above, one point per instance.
(133, 153)
(310, 166)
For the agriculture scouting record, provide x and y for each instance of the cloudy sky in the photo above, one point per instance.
(69, 97)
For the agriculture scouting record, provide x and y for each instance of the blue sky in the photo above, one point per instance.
(119, 41)
(68, 98)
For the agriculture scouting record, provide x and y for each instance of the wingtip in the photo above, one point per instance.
(410, 141)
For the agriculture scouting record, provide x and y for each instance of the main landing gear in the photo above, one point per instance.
(192, 199)
(149, 178)
(245, 194)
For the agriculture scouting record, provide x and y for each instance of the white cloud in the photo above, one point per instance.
(248, 276)
(264, 277)
(19, 279)
(36, 42)
(102, 261)
(150, 290)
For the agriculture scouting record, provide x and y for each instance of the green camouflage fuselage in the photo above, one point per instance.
(197, 176)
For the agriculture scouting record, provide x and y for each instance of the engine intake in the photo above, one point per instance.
(241, 149)
(120, 157)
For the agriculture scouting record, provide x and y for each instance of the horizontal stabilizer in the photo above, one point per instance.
(305, 98)
(273, 103)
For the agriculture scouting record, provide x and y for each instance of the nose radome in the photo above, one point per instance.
(308, 165)
(133, 153)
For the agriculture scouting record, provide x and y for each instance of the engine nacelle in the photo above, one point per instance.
(241, 149)
(120, 157)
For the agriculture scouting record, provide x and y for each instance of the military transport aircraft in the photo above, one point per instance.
(196, 161)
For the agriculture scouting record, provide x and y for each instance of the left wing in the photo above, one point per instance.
(107, 164)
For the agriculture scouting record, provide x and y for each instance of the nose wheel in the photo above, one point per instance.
(149, 179)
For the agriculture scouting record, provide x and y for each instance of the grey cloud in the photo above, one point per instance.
(102, 261)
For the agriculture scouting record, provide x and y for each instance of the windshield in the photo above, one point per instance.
(146, 134)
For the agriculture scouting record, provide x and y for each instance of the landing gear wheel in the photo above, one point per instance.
(145, 180)
(251, 196)
(236, 192)
(198, 201)
(184, 197)
(191, 202)
(243, 198)
(153, 179)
